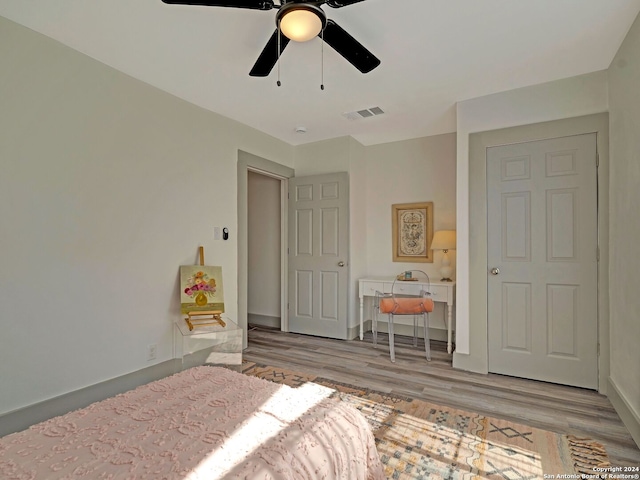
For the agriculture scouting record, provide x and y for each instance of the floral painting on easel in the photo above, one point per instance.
(201, 288)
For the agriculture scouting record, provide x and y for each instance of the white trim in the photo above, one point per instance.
(477, 358)
(628, 415)
(284, 255)
(248, 162)
(22, 418)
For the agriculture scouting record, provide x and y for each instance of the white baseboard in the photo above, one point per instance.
(629, 417)
(354, 331)
(407, 331)
(23, 418)
(399, 329)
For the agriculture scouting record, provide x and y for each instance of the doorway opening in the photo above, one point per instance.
(249, 163)
(264, 239)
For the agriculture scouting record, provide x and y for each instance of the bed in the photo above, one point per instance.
(202, 423)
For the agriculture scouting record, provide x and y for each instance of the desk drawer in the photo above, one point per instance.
(439, 293)
(407, 288)
(369, 288)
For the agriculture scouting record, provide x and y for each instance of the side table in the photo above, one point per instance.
(210, 344)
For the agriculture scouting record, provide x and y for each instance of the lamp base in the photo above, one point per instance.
(446, 269)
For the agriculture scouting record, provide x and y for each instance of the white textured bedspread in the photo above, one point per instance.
(203, 423)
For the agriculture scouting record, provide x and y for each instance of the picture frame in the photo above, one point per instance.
(201, 288)
(412, 229)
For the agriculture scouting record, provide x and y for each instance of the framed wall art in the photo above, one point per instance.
(412, 232)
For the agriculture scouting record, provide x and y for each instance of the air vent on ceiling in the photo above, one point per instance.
(366, 113)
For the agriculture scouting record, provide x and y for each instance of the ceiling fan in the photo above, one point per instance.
(299, 20)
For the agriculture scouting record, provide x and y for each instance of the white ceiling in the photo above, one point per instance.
(433, 52)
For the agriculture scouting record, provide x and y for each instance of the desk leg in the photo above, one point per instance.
(449, 318)
(361, 316)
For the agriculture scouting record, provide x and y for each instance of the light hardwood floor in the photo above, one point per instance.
(552, 407)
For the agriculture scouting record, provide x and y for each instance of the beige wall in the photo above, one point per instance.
(327, 156)
(417, 170)
(624, 102)
(107, 186)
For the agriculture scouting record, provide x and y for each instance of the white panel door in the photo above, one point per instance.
(542, 260)
(319, 254)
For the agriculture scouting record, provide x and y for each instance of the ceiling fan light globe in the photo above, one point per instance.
(301, 25)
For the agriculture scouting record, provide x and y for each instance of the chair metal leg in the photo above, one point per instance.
(392, 350)
(427, 346)
(374, 328)
(415, 331)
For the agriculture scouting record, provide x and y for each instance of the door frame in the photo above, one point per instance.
(317, 262)
(249, 162)
(533, 362)
(477, 359)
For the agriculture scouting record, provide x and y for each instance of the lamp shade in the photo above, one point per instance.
(301, 22)
(444, 240)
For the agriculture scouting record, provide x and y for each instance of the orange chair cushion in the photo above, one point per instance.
(406, 306)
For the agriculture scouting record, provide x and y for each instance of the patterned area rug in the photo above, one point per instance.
(419, 440)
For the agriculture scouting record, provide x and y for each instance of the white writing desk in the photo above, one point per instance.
(440, 292)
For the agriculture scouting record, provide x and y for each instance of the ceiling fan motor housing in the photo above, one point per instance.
(294, 6)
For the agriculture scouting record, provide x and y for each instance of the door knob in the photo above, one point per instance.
(495, 271)
(341, 264)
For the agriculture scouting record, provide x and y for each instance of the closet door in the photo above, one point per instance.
(542, 260)
(319, 255)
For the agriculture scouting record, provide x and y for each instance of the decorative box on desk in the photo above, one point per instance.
(208, 344)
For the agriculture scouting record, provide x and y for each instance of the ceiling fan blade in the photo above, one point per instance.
(347, 46)
(269, 55)
(253, 4)
(341, 3)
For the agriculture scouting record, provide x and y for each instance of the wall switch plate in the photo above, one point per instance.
(217, 233)
(152, 351)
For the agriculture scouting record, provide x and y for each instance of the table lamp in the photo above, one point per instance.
(444, 240)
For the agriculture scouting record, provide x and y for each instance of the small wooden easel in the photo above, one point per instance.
(204, 318)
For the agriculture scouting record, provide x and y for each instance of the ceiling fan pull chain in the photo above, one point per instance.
(322, 60)
(278, 82)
